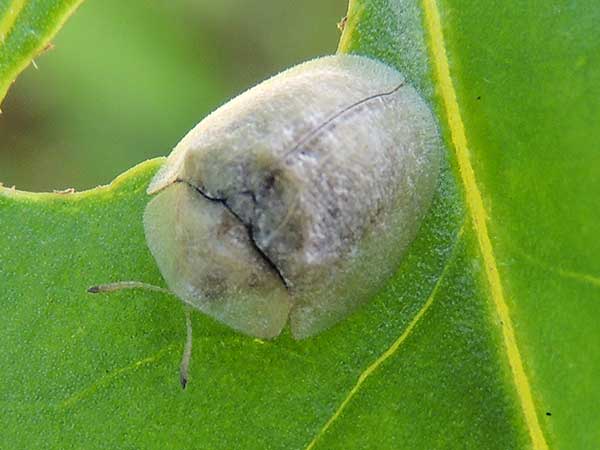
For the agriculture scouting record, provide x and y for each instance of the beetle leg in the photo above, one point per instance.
(187, 349)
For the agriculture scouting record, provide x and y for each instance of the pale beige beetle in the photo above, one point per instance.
(295, 200)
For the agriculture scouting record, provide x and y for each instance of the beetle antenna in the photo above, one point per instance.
(187, 350)
(119, 285)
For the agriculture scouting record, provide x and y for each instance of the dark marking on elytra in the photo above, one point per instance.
(249, 229)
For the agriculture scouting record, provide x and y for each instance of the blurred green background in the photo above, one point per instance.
(127, 79)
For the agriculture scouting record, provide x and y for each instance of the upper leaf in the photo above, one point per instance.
(26, 28)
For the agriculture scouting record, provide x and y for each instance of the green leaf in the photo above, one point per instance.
(488, 327)
(26, 28)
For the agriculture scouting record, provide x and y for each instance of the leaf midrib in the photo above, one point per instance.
(479, 217)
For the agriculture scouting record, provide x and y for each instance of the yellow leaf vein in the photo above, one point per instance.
(479, 217)
(389, 352)
(107, 379)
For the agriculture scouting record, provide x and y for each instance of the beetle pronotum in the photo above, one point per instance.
(295, 200)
